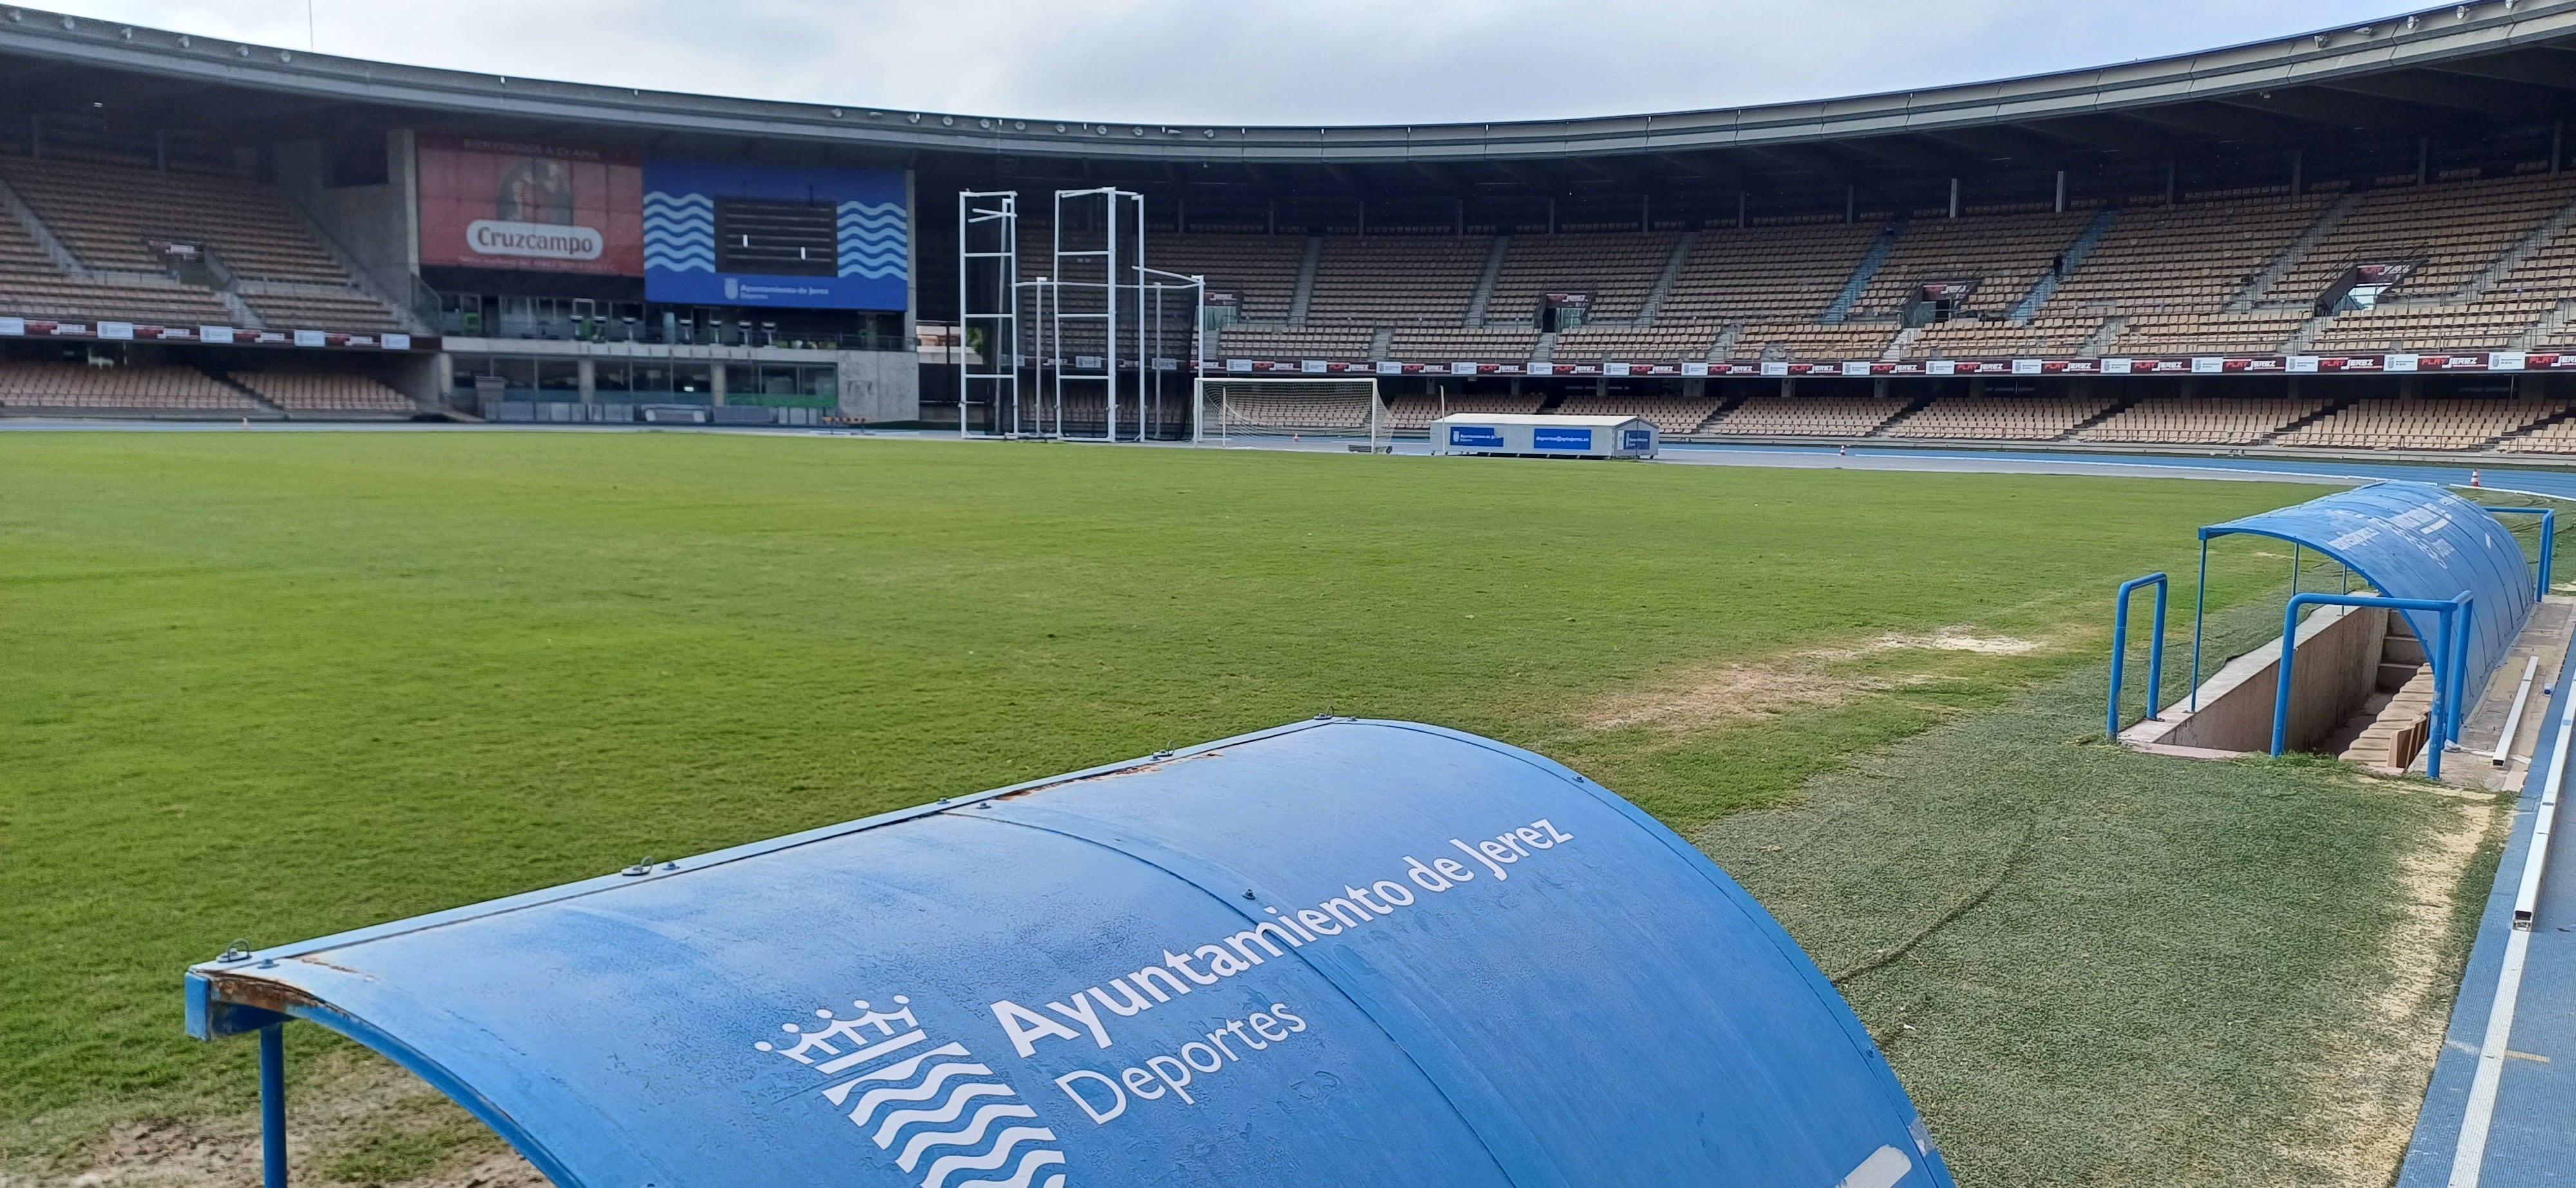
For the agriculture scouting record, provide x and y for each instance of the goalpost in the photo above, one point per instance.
(1276, 410)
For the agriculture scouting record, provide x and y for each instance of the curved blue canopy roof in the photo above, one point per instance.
(1338, 953)
(2416, 540)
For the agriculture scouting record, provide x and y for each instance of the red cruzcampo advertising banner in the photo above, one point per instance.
(539, 207)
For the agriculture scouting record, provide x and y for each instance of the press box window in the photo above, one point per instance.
(764, 235)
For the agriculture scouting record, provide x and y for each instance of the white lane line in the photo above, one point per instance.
(2470, 1158)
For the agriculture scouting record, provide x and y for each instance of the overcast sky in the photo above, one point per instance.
(1232, 62)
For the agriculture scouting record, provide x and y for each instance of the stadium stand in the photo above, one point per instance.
(1617, 270)
(2419, 423)
(1253, 342)
(317, 391)
(1855, 254)
(2168, 271)
(1417, 412)
(1662, 344)
(2002, 255)
(1771, 272)
(1971, 337)
(2176, 420)
(111, 219)
(1396, 280)
(160, 388)
(31, 286)
(2549, 437)
(1260, 270)
(1671, 414)
(1461, 345)
(1808, 416)
(1816, 340)
(2448, 231)
(2001, 418)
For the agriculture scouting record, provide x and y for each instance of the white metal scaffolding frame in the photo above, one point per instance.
(1158, 369)
(1091, 287)
(988, 285)
(1044, 415)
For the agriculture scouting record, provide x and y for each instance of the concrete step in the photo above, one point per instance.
(2400, 727)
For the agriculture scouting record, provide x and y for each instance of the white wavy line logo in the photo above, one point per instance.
(903, 1074)
(948, 1111)
(1003, 1143)
(927, 1089)
(679, 232)
(875, 240)
(1029, 1165)
(964, 1136)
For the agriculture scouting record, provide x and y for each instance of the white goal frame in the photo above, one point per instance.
(1213, 419)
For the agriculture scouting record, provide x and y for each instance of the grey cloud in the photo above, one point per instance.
(1320, 61)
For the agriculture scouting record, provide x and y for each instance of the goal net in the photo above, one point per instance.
(1281, 410)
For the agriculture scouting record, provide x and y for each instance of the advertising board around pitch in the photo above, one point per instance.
(1536, 435)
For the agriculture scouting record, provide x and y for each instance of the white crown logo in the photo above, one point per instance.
(883, 1109)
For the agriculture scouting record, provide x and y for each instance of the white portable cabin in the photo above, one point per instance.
(1533, 435)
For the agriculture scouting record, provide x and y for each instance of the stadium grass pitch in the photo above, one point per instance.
(269, 686)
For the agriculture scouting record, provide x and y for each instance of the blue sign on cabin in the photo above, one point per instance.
(1559, 438)
(1475, 435)
(1340, 952)
(1636, 439)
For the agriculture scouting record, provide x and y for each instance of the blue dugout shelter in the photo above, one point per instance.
(2418, 542)
(1341, 952)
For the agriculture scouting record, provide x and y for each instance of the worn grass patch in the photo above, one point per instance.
(271, 686)
(2092, 966)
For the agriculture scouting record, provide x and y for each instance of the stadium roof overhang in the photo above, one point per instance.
(2436, 73)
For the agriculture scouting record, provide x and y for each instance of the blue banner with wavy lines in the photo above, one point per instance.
(721, 233)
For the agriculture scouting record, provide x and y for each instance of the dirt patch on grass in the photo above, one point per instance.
(1947, 639)
(1735, 691)
(1780, 684)
(2369, 1076)
(356, 1120)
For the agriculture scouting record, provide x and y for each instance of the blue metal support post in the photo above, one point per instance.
(2449, 655)
(272, 1105)
(2120, 649)
(2199, 603)
(2548, 538)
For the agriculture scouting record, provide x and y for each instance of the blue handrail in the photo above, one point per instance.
(2449, 656)
(2548, 538)
(2120, 649)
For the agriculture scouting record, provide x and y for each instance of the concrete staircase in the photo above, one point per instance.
(2548, 324)
(1304, 296)
(1870, 262)
(2331, 408)
(2102, 337)
(2085, 241)
(1654, 305)
(2280, 265)
(2478, 286)
(1903, 342)
(1724, 347)
(1483, 299)
(47, 242)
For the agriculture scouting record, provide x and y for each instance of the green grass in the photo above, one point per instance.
(269, 686)
(2163, 967)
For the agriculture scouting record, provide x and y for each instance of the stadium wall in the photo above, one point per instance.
(377, 226)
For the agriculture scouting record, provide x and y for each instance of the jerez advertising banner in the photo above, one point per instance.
(539, 207)
(720, 233)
